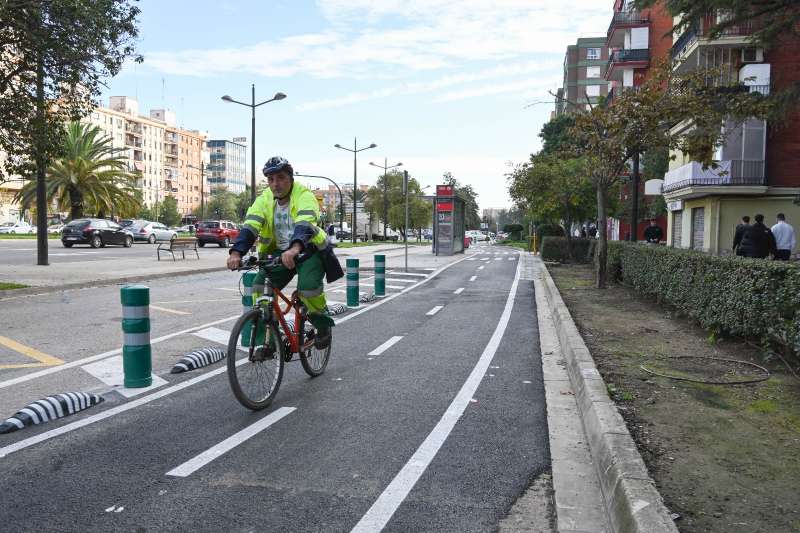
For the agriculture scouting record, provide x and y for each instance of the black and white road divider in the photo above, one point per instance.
(336, 309)
(50, 408)
(198, 359)
(365, 298)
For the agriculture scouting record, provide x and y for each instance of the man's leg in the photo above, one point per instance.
(311, 273)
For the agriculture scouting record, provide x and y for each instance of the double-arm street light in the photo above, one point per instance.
(355, 151)
(253, 106)
(386, 168)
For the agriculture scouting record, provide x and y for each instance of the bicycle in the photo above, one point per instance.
(271, 341)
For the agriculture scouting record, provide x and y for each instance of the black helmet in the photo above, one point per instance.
(276, 164)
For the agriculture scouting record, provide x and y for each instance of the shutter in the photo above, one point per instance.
(698, 223)
(677, 228)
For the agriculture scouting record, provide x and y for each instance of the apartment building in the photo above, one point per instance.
(759, 162)
(584, 66)
(9, 209)
(227, 165)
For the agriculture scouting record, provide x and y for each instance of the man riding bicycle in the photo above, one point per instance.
(284, 219)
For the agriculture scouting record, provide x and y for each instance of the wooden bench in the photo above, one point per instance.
(178, 244)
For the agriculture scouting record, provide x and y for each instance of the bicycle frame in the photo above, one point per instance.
(295, 338)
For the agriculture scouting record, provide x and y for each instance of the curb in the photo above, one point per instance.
(632, 501)
(99, 283)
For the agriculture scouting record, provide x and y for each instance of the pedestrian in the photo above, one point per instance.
(758, 240)
(784, 238)
(332, 233)
(737, 237)
(653, 234)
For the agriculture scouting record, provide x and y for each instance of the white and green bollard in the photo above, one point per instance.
(137, 362)
(352, 283)
(380, 275)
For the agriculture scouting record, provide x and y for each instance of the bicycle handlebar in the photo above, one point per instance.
(251, 261)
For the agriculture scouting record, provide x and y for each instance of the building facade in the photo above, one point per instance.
(584, 66)
(227, 165)
(759, 163)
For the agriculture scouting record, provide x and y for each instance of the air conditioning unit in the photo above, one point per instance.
(752, 55)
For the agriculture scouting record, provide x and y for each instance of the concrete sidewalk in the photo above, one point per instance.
(84, 274)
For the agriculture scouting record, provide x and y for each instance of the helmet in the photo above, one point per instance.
(276, 164)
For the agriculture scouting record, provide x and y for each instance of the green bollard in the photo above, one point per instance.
(137, 361)
(247, 304)
(352, 283)
(380, 275)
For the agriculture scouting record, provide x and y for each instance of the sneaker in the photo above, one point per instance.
(323, 338)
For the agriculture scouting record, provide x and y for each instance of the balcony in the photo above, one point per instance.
(698, 35)
(620, 21)
(133, 142)
(133, 128)
(625, 59)
(732, 173)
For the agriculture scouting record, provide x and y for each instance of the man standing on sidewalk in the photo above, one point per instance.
(784, 238)
(758, 240)
(737, 238)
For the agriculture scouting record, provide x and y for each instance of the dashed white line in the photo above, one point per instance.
(459, 290)
(198, 462)
(393, 496)
(386, 345)
(401, 280)
(435, 310)
(473, 278)
(481, 267)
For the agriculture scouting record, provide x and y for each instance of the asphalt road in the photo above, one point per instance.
(442, 431)
(23, 252)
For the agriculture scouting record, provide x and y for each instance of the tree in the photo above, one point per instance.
(243, 204)
(472, 219)
(555, 133)
(54, 56)
(168, 212)
(221, 205)
(608, 136)
(778, 19)
(91, 176)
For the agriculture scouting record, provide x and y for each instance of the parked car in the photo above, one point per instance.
(126, 222)
(96, 232)
(17, 227)
(55, 228)
(189, 228)
(144, 230)
(221, 232)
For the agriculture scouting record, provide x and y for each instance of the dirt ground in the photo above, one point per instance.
(725, 458)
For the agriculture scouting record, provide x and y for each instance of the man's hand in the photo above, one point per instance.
(234, 260)
(287, 257)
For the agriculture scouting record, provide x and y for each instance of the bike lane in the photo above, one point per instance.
(322, 466)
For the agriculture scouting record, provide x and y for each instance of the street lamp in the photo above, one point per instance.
(253, 106)
(355, 151)
(341, 197)
(386, 168)
(202, 190)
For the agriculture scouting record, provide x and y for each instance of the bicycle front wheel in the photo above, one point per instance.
(256, 378)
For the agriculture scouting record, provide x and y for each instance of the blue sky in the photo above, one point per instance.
(440, 85)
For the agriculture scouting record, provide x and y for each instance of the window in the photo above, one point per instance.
(677, 228)
(592, 72)
(592, 53)
(698, 224)
(592, 90)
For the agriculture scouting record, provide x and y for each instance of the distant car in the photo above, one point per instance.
(56, 228)
(189, 228)
(144, 230)
(220, 232)
(96, 232)
(17, 227)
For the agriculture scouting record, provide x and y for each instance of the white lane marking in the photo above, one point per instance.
(395, 287)
(471, 259)
(166, 310)
(214, 335)
(435, 310)
(512, 258)
(481, 267)
(81, 362)
(498, 258)
(110, 372)
(133, 404)
(226, 289)
(399, 280)
(338, 290)
(473, 278)
(386, 345)
(390, 499)
(459, 290)
(428, 269)
(398, 273)
(198, 462)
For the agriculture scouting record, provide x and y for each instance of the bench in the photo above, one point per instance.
(178, 244)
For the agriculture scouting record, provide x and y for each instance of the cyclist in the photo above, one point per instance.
(284, 218)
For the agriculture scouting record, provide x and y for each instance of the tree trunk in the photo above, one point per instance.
(602, 246)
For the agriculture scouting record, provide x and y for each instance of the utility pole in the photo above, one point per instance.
(405, 231)
(635, 198)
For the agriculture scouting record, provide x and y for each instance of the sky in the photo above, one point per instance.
(439, 85)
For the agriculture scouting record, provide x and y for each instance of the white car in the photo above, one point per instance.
(144, 230)
(17, 227)
(55, 229)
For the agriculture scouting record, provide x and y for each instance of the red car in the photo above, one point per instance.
(221, 232)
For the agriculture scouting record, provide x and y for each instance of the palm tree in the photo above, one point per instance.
(91, 176)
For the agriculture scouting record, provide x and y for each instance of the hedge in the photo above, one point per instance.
(555, 249)
(753, 298)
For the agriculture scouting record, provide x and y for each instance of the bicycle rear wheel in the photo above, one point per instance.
(255, 379)
(315, 360)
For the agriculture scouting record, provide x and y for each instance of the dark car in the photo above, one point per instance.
(221, 232)
(95, 232)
